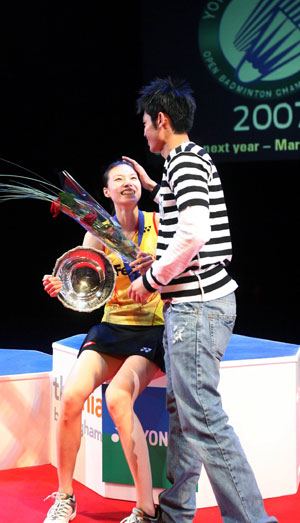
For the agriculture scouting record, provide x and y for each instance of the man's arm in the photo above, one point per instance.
(192, 233)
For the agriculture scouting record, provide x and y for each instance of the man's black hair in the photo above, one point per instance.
(172, 97)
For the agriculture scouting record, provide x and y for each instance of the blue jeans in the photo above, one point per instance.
(195, 339)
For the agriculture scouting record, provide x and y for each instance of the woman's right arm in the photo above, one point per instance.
(90, 240)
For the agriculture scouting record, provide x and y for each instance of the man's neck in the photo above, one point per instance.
(173, 140)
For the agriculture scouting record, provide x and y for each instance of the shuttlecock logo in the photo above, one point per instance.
(253, 47)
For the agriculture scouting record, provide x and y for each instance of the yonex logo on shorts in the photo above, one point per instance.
(145, 349)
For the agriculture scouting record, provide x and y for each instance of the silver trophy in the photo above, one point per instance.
(88, 279)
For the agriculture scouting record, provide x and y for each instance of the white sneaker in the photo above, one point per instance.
(138, 516)
(63, 510)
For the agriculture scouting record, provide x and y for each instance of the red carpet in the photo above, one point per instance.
(23, 490)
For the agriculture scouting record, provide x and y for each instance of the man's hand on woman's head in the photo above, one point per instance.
(146, 181)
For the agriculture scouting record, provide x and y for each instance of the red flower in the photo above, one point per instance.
(55, 207)
(89, 218)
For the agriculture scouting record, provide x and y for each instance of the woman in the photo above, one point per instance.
(111, 351)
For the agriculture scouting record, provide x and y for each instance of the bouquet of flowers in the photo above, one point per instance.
(75, 202)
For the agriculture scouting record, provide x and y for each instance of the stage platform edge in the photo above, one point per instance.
(260, 387)
(25, 399)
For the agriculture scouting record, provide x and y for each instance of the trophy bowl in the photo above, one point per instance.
(88, 279)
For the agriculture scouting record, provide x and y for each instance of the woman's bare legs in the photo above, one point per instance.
(131, 379)
(90, 370)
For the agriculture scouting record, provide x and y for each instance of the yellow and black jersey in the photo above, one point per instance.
(120, 309)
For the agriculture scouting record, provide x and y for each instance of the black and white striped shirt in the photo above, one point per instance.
(190, 180)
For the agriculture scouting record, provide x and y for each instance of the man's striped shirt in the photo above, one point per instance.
(190, 178)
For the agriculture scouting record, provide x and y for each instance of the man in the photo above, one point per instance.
(193, 252)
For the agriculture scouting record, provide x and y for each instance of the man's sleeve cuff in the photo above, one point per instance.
(154, 191)
(147, 285)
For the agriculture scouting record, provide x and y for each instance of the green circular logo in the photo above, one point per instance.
(252, 48)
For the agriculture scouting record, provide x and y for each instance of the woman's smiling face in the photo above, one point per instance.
(123, 185)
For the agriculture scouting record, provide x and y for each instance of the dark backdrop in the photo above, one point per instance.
(69, 81)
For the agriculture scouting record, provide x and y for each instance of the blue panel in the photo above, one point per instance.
(244, 348)
(13, 361)
(239, 348)
(74, 342)
(146, 408)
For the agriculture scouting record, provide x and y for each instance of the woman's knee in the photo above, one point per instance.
(72, 403)
(118, 402)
